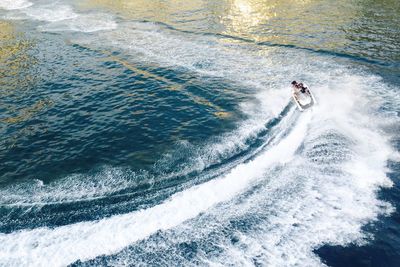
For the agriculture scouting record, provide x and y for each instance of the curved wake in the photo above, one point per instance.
(256, 196)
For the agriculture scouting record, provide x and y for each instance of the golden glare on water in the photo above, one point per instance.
(219, 112)
(7, 30)
(15, 60)
(7, 35)
(277, 21)
(258, 20)
(284, 21)
(142, 9)
(243, 14)
(13, 56)
(245, 17)
(13, 50)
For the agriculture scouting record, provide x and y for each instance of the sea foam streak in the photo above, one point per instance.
(59, 17)
(83, 23)
(14, 4)
(51, 13)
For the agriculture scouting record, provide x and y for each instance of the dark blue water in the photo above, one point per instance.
(162, 133)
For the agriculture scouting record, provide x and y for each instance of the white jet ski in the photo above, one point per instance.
(303, 100)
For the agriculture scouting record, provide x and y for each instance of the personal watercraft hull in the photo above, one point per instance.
(304, 100)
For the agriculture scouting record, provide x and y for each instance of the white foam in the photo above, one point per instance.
(59, 17)
(324, 194)
(89, 239)
(83, 23)
(14, 4)
(51, 13)
(76, 187)
(333, 162)
(207, 56)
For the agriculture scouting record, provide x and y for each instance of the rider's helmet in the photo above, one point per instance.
(294, 83)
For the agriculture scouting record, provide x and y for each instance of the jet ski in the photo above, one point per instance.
(302, 96)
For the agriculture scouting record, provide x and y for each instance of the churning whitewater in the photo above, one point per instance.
(270, 190)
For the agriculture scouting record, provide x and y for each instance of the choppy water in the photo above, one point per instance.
(162, 133)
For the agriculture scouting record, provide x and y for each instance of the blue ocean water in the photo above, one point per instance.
(162, 133)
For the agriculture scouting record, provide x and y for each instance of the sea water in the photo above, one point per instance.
(162, 133)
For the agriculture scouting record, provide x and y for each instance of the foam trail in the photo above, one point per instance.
(83, 23)
(324, 194)
(51, 13)
(333, 206)
(208, 56)
(84, 241)
(14, 4)
(109, 180)
(60, 17)
(77, 187)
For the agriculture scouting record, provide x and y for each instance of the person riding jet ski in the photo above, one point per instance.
(302, 96)
(299, 87)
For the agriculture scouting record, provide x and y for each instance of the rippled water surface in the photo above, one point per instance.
(162, 133)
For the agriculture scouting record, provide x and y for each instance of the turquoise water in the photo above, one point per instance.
(162, 133)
